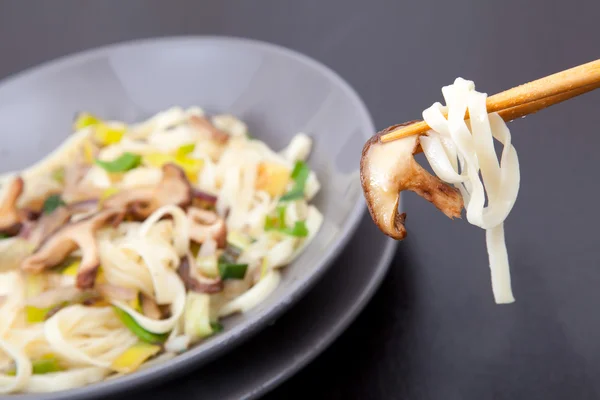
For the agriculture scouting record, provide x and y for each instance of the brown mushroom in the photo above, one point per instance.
(37, 231)
(388, 169)
(64, 241)
(197, 283)
(10, 217)
(208, 130)
(203, 199)
(174, 188)
(205, 224)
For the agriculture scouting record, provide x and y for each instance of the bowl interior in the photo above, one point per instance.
(275, 91)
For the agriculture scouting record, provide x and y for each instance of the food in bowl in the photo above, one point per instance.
(128, 243)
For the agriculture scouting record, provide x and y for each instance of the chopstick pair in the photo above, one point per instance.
(526, 99)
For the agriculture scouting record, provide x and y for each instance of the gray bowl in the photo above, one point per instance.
(278, 92)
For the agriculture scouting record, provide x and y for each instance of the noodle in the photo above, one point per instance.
(197, 225)
(458, 151)
(87, 336)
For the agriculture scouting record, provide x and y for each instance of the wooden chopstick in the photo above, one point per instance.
(513, 113)
(528, 98)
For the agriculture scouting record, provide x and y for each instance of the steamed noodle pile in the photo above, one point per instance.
(458, 151)
(54, 336)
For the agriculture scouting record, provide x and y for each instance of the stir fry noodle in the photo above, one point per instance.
(127, 244)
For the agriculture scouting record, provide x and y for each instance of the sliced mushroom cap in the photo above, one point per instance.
(10, 217)
(388, 169)
(83, 206)
(197, 283)
(208, 130)
(174, 188)
(37, 231)
(203, 199)
(64, 241)
(206, 224)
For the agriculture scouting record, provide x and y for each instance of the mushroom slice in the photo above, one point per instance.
(10, 217)
(46, 225)
(37, 231)
(64, 241)
(203, 199)
(206, 224)
(174, 188)
(388, 169)
(208, 130)
(84, 206)
(197, 282)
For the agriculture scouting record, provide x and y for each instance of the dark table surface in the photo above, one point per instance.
(432, 331)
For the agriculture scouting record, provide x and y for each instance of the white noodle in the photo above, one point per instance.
(9, 384)
(252, 297)
(298, 149)
(87, 336)
(458, 151)
(70, 379)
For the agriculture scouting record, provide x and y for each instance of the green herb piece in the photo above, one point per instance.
(4, 236)
(232, 271)
(277, 223)
(299, 230)
(216, 326)
(52, 203)
(137, 330)
(124, 163)
(299, 175)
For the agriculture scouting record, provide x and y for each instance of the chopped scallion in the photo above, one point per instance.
(299, 175)
(277, 223)
(52, 203)
(137, 330)
(232, 271)
(216, 326)
(299, 230)
(125, 162)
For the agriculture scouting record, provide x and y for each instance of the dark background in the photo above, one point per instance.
(432, 331)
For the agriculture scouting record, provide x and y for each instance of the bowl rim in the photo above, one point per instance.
(198, 356)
